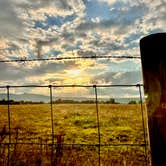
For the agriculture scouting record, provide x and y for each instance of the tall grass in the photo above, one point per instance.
(75, 135)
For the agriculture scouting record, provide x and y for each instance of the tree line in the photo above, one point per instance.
(13, 102)
(63, 101)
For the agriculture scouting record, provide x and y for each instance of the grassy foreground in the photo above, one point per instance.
(75, 131)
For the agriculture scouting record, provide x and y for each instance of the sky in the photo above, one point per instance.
(59, 28)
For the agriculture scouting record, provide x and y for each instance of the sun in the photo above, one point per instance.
(74, 72)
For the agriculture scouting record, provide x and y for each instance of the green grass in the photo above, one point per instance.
(77, 124)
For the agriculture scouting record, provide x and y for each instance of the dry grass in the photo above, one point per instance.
(73, 124)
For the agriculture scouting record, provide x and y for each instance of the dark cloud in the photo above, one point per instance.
(11, 25)
(9, 72)
(21, 72)
(63, 4)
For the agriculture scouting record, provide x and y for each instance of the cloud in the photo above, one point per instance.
(41, 19)
(154, 20)
(51, 7)
(110, 2)
(114, 92)
(128, 77)
(62, 4)
(54, 80)
(21, 71)
(3, 43)
(11, 25)
(10, 73)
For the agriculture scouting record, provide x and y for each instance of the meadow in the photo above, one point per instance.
(74, 133)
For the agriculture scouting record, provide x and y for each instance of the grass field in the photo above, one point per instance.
(76, 132)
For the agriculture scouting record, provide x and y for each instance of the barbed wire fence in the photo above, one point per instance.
(57, 145)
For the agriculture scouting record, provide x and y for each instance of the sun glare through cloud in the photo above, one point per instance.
(73, 72)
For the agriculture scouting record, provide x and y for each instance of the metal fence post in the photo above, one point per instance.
(143, 122)
(9, 124)
(52, 126)
(98, 121)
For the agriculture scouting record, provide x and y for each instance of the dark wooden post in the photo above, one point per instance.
(153, 57)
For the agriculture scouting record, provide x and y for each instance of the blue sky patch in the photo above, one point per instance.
(54, 21)
(96, 9)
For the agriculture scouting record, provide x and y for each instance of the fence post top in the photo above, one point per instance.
(94, 86)
(50, 86)
(138, 85)
(7, 86)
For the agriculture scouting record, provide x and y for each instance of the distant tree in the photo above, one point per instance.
(3, 101)
(132, 102)
(87, 101)
(58, 101)
(41, 102)
(22, 102)
(111, 101)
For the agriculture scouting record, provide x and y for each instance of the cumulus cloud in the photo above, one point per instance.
(62, 4)
(22, 71)
(128, 77)
(3, 43)
(11, 25)
(51, 7)
(110, 2)
(154, 21)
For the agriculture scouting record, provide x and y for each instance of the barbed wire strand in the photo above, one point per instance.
(69, 58)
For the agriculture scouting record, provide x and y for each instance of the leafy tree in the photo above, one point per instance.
(132, 102)
(111, 101)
